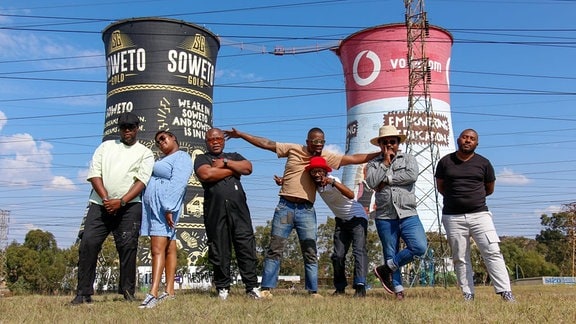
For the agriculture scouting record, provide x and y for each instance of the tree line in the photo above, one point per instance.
(39, 266)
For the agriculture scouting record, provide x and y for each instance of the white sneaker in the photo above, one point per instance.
(468, 297)
(508, 297)
(149, 302)
(223, 293)
(165, 296)
(253, 293)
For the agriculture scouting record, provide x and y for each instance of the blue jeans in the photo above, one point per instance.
(412, 232)
(288, 216)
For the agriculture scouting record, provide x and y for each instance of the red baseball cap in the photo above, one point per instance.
(318, 162)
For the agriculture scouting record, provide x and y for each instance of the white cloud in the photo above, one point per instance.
(552, 209)
(509, 177)
(84, 59)
(16, 43)
(333, 148)
(24, 161)
(30, 227)
(61, 183)
(82, 174)
(3, 119)
(236, 75)
(27, 162)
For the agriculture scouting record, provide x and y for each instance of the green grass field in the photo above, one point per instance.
(535, 304)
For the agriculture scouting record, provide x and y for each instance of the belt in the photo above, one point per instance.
(296, 200)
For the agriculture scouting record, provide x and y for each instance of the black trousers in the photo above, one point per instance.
(125, 227)
(229, 224)
(353, 231)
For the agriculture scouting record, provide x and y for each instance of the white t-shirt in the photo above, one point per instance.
(342, 207)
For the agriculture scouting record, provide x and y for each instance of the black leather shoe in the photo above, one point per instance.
(80, 299)
(129, 297)
(385, 275)
(360, 291)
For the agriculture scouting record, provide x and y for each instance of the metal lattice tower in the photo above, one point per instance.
(4, 221)
(420, 102)
(420, 108)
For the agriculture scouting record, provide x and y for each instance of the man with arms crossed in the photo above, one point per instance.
(226, 214)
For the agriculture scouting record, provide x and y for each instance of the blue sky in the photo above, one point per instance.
(512, 79)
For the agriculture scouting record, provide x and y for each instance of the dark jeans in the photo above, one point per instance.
(353, 232)
(125, 226)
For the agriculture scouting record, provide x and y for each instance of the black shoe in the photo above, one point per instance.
(339, 292)
(80, 299)
(360, 291)
(129, 297)
(385, 275)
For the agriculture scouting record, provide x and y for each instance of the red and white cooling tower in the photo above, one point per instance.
(376, 73)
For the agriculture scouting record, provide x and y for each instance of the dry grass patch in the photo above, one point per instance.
(536, 304)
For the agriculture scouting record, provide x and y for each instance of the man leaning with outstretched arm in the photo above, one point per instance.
(295, 209)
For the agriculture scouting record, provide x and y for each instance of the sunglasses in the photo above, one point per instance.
(160, 139)
(128, 127)
(317, 171)
(386, 142)
(215, 139)
(317, 141)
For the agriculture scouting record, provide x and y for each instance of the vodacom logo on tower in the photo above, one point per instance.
(377, 66)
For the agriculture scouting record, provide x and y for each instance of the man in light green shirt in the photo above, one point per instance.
(119, 171)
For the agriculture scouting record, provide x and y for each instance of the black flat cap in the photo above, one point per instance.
(128, 119)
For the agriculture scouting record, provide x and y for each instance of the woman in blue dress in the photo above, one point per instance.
(162, 202)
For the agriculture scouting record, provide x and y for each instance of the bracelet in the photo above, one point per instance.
(333, 182)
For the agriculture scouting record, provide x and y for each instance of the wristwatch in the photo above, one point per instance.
(225, 162)
(122, 202)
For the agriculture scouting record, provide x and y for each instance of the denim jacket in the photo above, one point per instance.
(396, 198)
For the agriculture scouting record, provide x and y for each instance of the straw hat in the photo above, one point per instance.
(318, 162)
(385, 131)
